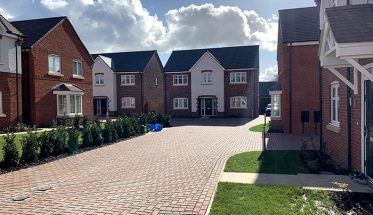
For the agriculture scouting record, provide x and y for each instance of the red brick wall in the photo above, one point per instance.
(177, 92)
(304, 87)
(64, 42)
(249, 90)
(154, 94)
(9, 99)
(130, 91)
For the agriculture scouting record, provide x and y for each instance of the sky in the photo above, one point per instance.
(166, 25)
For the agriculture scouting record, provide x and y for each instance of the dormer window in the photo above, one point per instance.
(207, 77)
(54, 63)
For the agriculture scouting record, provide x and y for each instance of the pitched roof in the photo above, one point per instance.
(67, 87)
(128, 61)
(9, 27)
(351, 24)
(300, 24)
(229, 57)
(264, 88)
(35, 29)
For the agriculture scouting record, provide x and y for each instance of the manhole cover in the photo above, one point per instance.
(44, 188)
(20, 198)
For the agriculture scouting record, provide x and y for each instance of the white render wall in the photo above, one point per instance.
(8, 53)
(207, 62)
(109, 88)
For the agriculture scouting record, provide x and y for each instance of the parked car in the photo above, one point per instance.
(268, 110)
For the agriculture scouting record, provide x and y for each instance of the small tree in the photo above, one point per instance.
(11, 155)
(46, 144)
(73, 141)
(86, 121)
(96, 135)
(107, 133)
(76, 122)
(59, 140)
(118, 126)
(163, 119)
(30, 147)
(87, 136)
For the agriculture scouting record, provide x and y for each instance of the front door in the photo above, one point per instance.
(100, 106)
(369, 128)
(208, 106)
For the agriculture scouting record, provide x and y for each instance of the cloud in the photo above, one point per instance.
(5, 14)
(269, 74)
(54, 4)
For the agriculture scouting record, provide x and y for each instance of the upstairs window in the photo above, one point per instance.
(180, 80)
(99, 79)
(128, 80)
(206, 77)
(78, 67)
(54, 63)
(334, 103)
(238, 102)
(238, 77)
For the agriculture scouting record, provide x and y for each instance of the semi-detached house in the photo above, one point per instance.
(221, 82)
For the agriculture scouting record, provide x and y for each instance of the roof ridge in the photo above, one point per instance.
(26, 20)
(123, 52)
(224, 47)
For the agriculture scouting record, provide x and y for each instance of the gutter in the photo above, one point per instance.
(290, 88)
(320, 107)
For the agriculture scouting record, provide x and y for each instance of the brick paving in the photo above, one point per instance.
(173, 171)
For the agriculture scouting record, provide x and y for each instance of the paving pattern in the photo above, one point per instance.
(172, 171)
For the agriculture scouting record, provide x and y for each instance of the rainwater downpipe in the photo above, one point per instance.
(349, 119)
(290, 88)
(320, 108)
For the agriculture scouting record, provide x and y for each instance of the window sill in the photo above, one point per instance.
(333, 128)
(69, 115)
(127, 85)
(78, 77)
(207, 83)
(1, 62)
(238, 108)
(2, 115)
(180, 85)
(55, 74)
(99, 85)
(238, 83)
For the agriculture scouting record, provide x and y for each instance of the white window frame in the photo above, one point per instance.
(207, 77)
(334, 99)
(242, 78)
(1, 105)
(181, 103)
(128, 102)
(180, 80)
(100, 77)
(78, 69)
(127, 80)
(235, 99)
(78, 108)
(54, 69)
(275, 94)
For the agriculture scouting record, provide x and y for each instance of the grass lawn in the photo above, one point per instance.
(275, 162)
(233, 198)
(258, 128)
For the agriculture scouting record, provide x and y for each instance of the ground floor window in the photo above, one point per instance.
(69, 105)
(276, 104)
(1, 102)
(334, 103)
(128, 102)
(180, 103)
(238, 102)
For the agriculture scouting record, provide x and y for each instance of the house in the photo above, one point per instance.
(346, 57)
(264, 97)
(220, 82)
(296, 104)
(57, 71)
(128, 82)
(10, 74)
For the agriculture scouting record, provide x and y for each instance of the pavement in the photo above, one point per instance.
(307, 181)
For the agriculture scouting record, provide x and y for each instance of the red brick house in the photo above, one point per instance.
(57, 71)
(346, 56)
(128, 82)
(295, 105)
(10, 74)
(221, 82)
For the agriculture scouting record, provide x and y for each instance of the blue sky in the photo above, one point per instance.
(166, 25)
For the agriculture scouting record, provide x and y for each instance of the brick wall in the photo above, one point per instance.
(9, 99)
(154, 94)
(130, 91)
(249, 90)
(177, 92)
(304, 87)
(64, 42)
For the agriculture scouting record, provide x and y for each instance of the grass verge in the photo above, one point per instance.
(258, 128)
(275, 162)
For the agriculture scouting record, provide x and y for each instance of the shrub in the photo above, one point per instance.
(87, 136)
(30, 147)
(11, 155)
(73, 141)
(118, 126)
(107, 133)
(96, 120)
(96, 135)
(46, 144)
(86, 121)
(126, 127)
(152, 118)
(59, 140)
(163, 119)
(76, 122)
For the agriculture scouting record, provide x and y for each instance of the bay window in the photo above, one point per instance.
(69, 105)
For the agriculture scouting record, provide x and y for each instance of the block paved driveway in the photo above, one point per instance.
(175, 170)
